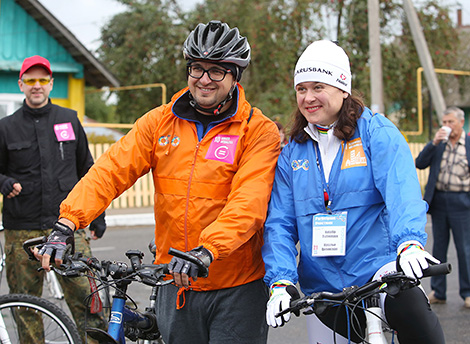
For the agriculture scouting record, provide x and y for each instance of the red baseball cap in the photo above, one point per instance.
(35, 60)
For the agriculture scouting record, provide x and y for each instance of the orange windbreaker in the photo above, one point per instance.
(212, 192)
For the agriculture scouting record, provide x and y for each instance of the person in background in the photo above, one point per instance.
(448, 195)
(212, 156)
(346, 190)
(282, 132)
(43, 153)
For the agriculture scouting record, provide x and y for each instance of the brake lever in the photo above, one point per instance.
(296, 306)
(392, 284)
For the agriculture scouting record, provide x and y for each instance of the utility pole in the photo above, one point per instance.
(425, 58)
(376, 78)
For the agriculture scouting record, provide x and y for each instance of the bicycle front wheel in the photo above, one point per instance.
(30, 319)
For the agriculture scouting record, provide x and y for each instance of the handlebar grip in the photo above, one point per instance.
(33, 242)
(184, 255)
(437, 269)
(203, 270)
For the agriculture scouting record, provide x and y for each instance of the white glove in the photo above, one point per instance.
(413, 259)
(279, 301)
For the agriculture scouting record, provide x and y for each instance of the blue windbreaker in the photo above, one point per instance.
(379, 189)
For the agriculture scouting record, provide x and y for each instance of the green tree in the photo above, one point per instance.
(399, 56)
(97, 109)
(143, 46)
(401, 61)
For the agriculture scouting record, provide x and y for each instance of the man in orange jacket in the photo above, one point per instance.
(212, 156)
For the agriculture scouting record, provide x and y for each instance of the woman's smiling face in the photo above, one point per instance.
(319, 103)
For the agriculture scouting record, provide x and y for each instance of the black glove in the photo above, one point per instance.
(183, 266)
(7, 186)
(98, 225)
(58, 242)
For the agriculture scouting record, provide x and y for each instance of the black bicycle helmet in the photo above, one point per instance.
(215, 41)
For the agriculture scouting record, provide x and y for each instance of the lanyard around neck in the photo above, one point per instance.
(326, 189)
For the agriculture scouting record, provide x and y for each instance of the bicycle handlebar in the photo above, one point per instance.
(75, 265)
(390, 284)
(203, 270)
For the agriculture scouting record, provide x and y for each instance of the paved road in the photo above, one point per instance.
(454, 317)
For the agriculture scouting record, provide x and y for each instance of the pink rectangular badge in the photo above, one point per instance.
(223, 148)
(64, 132)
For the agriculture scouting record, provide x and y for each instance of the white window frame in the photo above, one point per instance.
(11, 101)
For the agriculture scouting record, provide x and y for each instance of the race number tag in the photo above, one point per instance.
(64, 132)
(223, 148)
(329, 234)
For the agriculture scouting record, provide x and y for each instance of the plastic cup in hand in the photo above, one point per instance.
(448, 130)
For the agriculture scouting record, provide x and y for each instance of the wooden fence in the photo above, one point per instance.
(141, 194)
(416, 148)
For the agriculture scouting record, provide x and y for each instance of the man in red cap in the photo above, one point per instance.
(43, 153)
(36, 81)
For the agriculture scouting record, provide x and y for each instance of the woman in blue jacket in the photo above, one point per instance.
(346, 190)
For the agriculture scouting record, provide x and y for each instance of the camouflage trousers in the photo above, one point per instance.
(23, 278)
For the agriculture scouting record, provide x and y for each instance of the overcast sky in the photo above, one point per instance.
(84, 18)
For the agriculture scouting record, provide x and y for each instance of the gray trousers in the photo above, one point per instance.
(232, 315)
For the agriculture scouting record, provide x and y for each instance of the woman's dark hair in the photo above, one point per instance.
(350, 111)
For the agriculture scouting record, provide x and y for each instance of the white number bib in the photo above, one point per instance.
(329, 234)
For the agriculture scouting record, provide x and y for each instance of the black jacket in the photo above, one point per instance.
(47, 169)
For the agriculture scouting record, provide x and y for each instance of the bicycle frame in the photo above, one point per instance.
(121, 315)
(140, 325)
(146, 323)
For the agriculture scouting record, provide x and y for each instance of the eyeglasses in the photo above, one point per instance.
(215, 74)
(32, 82)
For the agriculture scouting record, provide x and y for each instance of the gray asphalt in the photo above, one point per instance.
(455, 319)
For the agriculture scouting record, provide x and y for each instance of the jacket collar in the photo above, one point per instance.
(43, 111)
(181, 108)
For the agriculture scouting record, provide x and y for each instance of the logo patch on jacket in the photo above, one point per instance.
(223, 148)
(164, 140)
(354, 154)
(298, 164)
(64, 132)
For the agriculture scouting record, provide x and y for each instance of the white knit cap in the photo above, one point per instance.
(324, 61)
